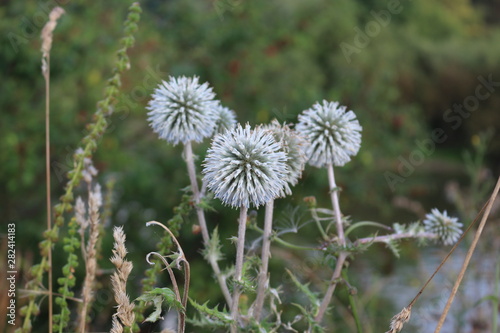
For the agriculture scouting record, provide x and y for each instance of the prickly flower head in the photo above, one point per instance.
(226, 119)
(335, 134)
(294, 145)
(446, 228)
(245, 167)
(183, 110)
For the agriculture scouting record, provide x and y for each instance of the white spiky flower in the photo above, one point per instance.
(294, 145)
(183, 110)
(226, 119)
(334, 133)
(245, 167)
(447, 228)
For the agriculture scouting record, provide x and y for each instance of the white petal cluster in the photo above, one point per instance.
(448, 229)
(335, 134)
(294, 145)
(183, 110)
(245, 167)
(226, 119)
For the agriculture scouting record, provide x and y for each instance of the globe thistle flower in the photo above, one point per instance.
(182, 110)
(245, 166)
(446, 228)
(294, 145)
(334, 134)
(226, 119)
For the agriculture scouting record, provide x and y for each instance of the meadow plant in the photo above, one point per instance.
(245, 168)
(95, 131)
(294, 145)
(182, 110)
(124, 316)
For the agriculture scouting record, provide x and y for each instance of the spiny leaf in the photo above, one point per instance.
(213, 250)
(309, 317)
(305, 289)
(393, 246)
(206, 203)
(222, 317)
(159, 296)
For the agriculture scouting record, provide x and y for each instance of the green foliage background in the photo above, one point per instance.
(265, 60)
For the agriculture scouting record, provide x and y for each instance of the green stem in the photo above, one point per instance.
(352, 303)
(292, 246)
(363, 224)
(318, 224)
(283, 242)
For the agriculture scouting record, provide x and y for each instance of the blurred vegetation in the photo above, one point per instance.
(265, 60)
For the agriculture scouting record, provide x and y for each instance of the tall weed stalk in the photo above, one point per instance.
(89, 144)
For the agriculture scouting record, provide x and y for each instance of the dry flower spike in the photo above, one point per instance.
(399, 320)
(47, 31)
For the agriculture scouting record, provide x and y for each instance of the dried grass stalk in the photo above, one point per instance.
(90, 254)
(46, 36)
(124, 311)
(468, 256)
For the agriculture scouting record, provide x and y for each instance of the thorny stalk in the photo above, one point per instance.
(386, 238)
(342, 242)
(240, 248)
(266, 244)
(188, 154)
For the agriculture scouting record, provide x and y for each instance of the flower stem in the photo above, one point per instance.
(285, 243)
(341, 238)
(188, 154)
(386, 238)
(266, 244)
(334, 195)
(331, 288)
(240, 248)
(352, 303)
(318, 224)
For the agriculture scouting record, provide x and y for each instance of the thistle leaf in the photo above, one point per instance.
(305, 289)
(159, 296)
(210, 316)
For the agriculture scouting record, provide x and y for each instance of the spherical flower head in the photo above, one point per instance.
(294, 145)
(183, 110)
(245, 167)
(446, 228)
(335, 134)
(226, 119)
